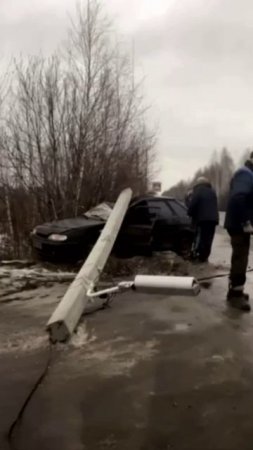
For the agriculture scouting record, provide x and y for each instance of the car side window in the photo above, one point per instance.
(138, 215)
(177, 208)
(159, 209)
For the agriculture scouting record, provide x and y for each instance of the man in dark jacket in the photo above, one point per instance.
(188, 198)
(203, 209)
(238, 223)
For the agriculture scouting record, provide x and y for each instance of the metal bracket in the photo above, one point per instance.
(121, 287)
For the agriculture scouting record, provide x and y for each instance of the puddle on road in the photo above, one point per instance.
(22, 342)
(112, 357)
(182, 327)
(82, 337)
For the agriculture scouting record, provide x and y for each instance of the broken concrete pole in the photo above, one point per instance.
(67, 314)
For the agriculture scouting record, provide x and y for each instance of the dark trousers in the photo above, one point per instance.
(204, 240)
(239, 261)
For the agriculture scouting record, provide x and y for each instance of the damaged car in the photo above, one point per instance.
(151, 224)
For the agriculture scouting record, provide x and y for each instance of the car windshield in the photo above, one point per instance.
(101, 211)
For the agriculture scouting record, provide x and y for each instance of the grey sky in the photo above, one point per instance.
(196, 56)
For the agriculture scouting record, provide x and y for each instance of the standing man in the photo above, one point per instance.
(238, 223)
(203, 209)
(188, 198)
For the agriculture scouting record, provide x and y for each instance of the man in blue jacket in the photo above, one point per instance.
(238, 223)
(203, 209)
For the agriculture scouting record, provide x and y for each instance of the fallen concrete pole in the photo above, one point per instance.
(67, 314)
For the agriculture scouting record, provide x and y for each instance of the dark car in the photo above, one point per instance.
(150, 224)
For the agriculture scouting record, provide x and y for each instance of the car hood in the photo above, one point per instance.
(67, 225)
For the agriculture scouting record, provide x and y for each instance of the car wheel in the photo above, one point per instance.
(185, 246)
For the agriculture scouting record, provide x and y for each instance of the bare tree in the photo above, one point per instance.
(75, 132)
(219, 172)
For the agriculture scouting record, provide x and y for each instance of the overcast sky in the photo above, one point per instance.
(197, 58)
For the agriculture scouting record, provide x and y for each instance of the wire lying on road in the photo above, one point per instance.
(218, 275)
(41, 378)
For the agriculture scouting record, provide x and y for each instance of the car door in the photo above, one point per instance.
(183, 232)
(180, 213)
(136, 230)
(164, 223)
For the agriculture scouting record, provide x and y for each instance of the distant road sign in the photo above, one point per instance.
(156, 186)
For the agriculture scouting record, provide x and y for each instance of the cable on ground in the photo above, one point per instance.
(12, 429)
(219, 275)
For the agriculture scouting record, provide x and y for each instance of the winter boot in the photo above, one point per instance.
(239, 300)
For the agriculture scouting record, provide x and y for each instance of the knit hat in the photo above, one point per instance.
(202, 180)
(249, 162)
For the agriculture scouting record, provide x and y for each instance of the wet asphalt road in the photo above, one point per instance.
(149, 373)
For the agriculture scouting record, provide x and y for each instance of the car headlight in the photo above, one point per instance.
(58, 237)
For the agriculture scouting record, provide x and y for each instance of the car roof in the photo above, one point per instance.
(151, 197)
